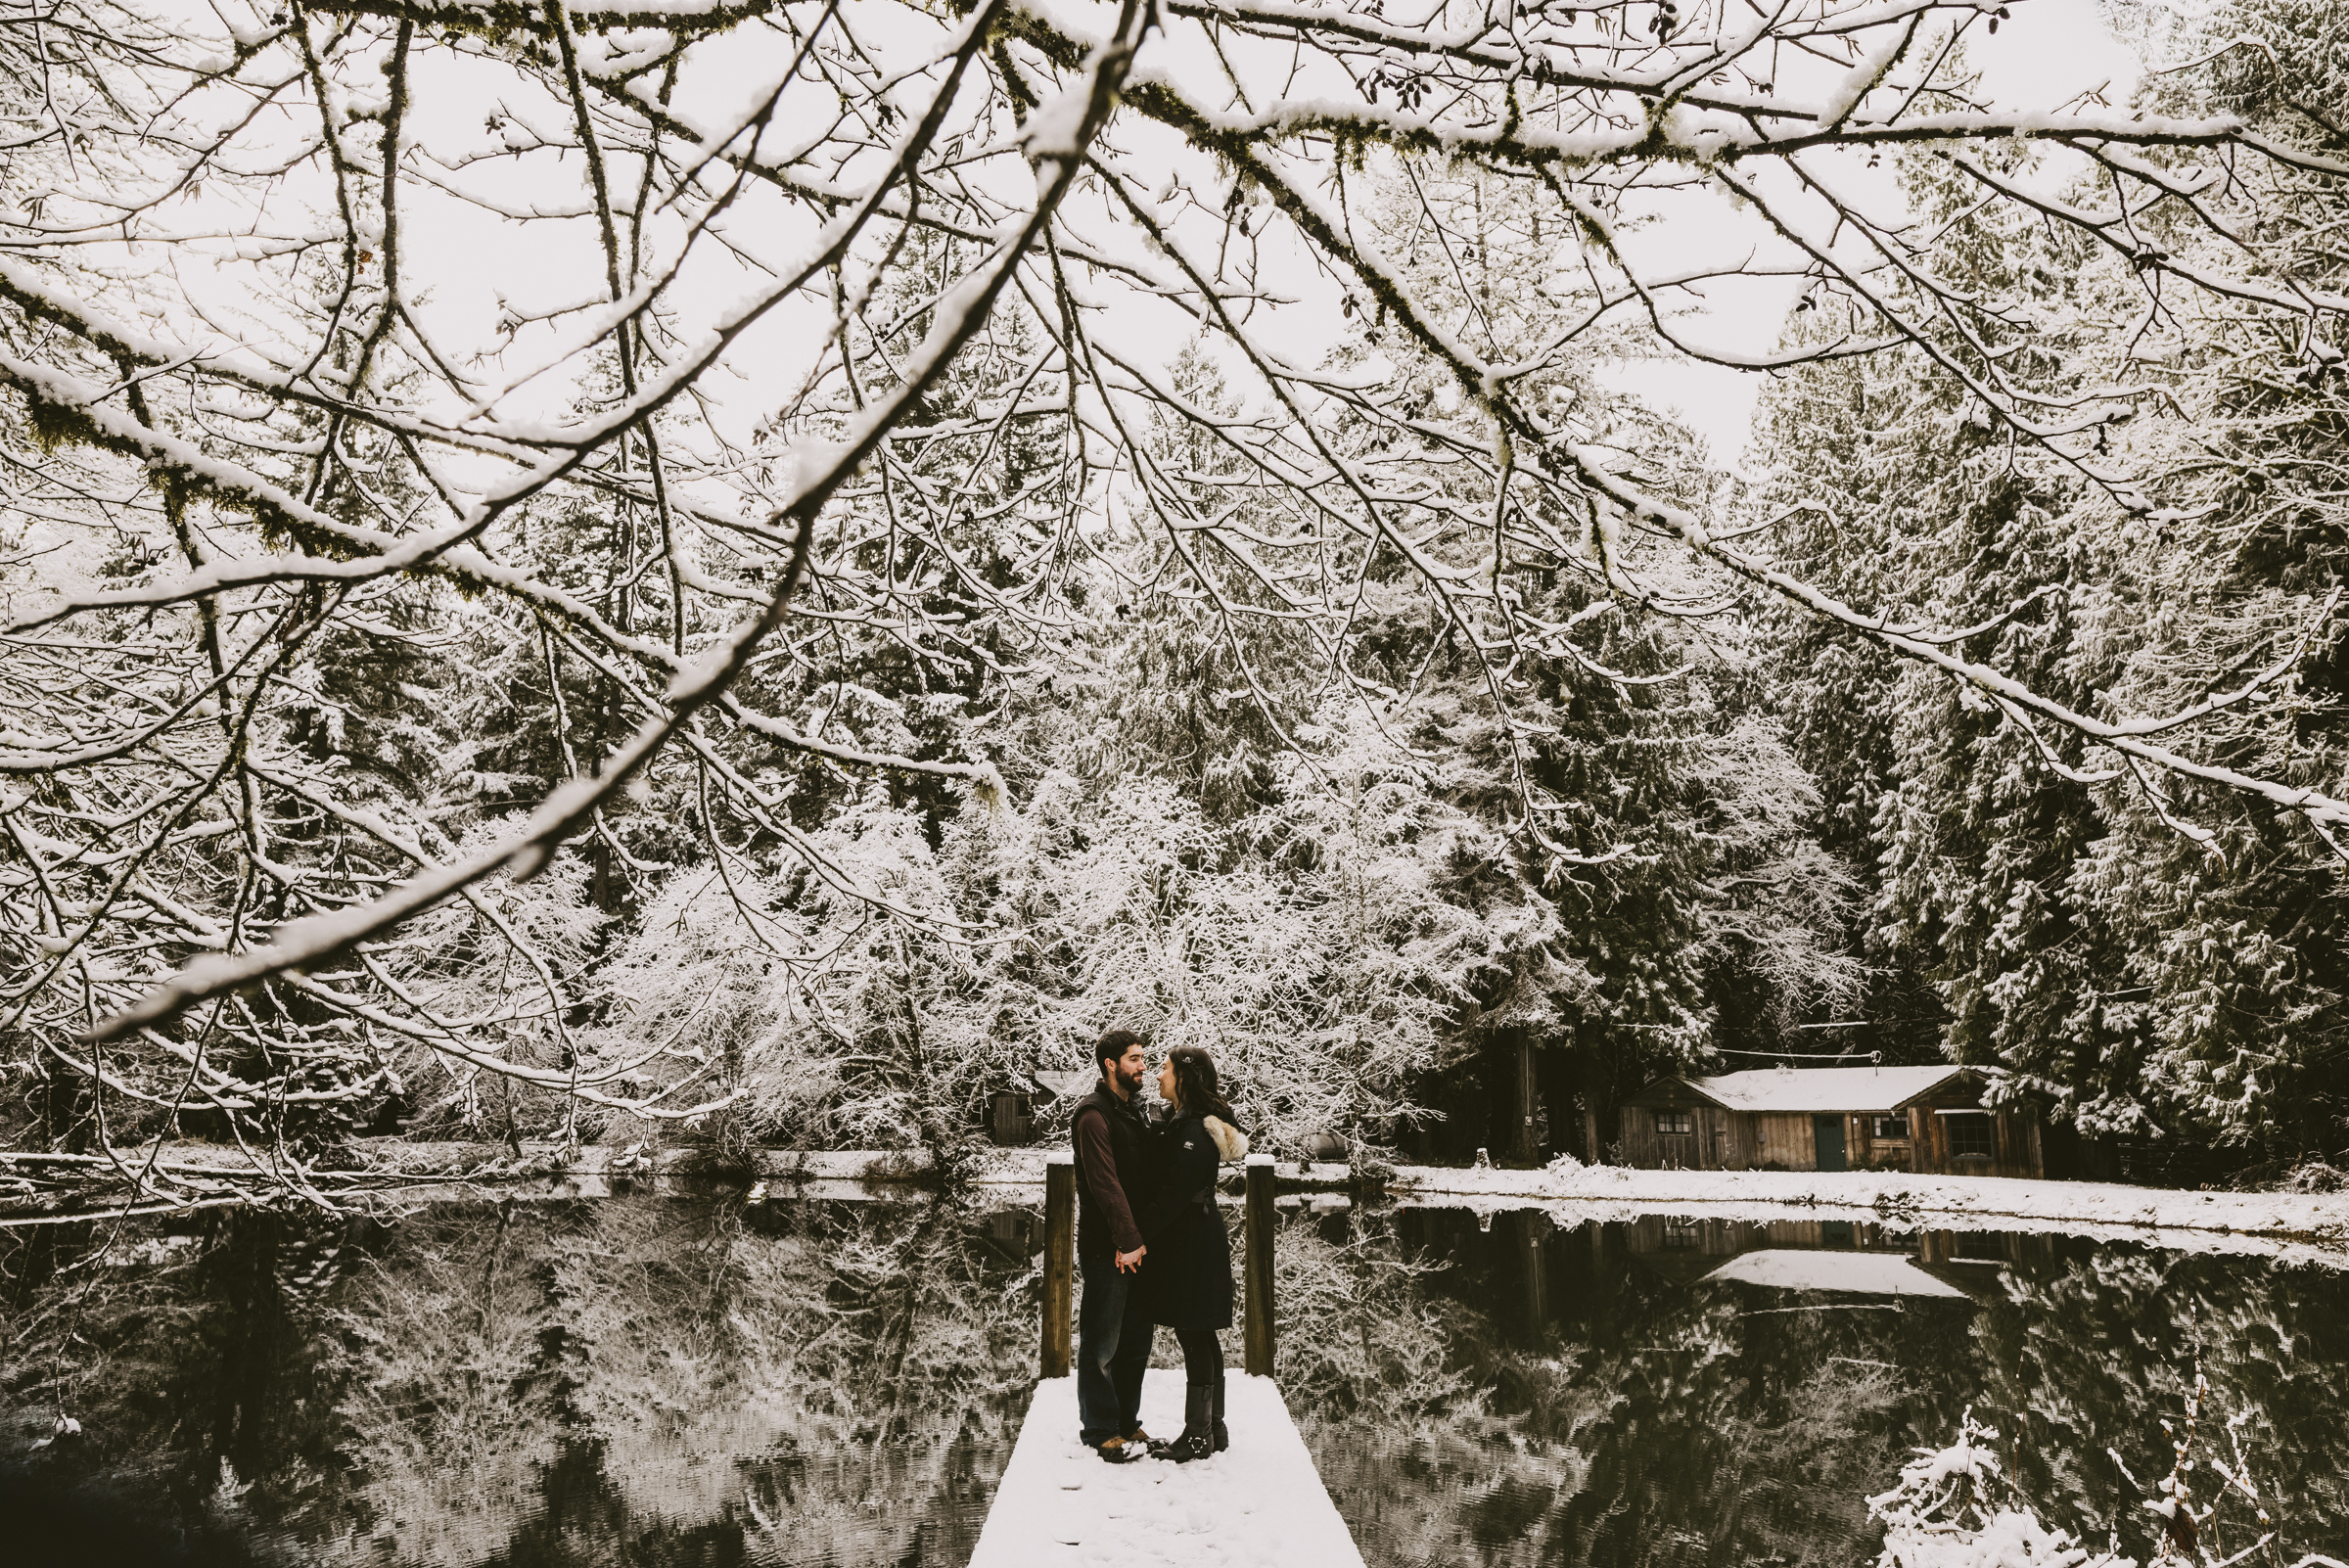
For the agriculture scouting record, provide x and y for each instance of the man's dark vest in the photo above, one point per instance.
(1127, 1132)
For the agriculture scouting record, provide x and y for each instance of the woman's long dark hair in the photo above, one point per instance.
(1195, 1089)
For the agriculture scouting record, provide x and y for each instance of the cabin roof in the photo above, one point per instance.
(1817, 1089)
(1066, 1084)
(1860, 1274)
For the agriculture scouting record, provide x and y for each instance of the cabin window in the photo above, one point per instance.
(1889, 1127)
(1970, 1136)
(1675, 1121)
(1681, 1236)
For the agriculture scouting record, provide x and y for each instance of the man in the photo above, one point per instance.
(1113, 1327)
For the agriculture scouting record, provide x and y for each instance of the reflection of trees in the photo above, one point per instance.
(495, 1385)
(661, 1382)
(194, 1369)
(1655, 1422)
(1709, 1432)
(2087, 1351)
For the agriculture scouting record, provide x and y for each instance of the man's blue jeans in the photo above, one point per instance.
(1112, 1350)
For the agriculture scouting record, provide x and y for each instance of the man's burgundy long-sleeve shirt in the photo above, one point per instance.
(1105, 1176)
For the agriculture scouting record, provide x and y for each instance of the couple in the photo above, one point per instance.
(1151, 1246)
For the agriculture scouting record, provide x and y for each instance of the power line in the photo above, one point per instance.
(1876, 1057)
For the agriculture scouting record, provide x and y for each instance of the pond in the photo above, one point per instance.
(687, 1378)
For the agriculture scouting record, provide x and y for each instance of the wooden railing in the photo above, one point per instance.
(1054, 1356)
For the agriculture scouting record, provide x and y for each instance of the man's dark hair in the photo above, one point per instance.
(1113, 1045)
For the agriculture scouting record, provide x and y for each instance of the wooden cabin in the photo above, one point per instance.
(1010, 1117)
(1921, 1119)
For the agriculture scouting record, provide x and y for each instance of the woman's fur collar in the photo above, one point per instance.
(1231, 1143)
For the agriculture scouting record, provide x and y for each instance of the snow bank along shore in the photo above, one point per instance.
(2304, 1226)
(2316, 1224)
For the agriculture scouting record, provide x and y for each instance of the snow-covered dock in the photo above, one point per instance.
(1258, 1503)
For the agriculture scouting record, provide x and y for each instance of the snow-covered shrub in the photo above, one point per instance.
(2314, 1176)
(798, 1000)
(496, 974)
(701, 996)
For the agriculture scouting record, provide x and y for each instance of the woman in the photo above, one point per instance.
(1190, 1253)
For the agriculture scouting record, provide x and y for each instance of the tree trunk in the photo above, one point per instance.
(1533, 1229)
(1523, 1135)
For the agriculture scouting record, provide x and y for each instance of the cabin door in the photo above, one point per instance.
(1829, 1131)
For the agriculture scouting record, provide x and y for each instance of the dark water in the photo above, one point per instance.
(689, 1380)
(1620, 1394)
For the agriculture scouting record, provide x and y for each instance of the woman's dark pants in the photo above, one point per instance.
(1203, 1370)
(1202, 1356)
(1112, 1350)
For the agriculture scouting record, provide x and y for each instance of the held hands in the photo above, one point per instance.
(1130, 1262)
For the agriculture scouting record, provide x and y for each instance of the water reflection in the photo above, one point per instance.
(1688, 1391)
(647, 1380)
(683, 1378)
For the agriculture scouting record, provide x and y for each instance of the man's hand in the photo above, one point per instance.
(1129, 1261)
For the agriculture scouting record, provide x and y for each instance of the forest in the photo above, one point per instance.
(756, 571)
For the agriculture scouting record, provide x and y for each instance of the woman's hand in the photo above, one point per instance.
(1129, 1261)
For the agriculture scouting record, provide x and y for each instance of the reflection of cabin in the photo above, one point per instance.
(1850, 1257)
(1849, 1274)
(1924, 1119)
(1686, 1248)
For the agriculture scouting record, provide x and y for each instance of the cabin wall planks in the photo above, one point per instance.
(1676, 1124)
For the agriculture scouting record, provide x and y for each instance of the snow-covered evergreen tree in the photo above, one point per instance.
(2154, 956)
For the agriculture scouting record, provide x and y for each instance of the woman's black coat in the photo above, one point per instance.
(1187, 1274)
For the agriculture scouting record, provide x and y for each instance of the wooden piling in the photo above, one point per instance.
(1060, 1261)
(1256, 1268)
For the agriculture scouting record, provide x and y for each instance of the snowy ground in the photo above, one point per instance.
(1258, 1503)
(2307, 1227)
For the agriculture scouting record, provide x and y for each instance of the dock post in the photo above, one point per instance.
(1060, 1260)
(1256, 1268)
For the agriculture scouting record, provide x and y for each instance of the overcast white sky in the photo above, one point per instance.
(2047, 53)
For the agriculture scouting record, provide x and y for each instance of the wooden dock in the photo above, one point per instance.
(1258, 1503)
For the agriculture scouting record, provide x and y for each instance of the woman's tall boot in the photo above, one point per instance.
(1222, 1434)
(1197, 1440)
